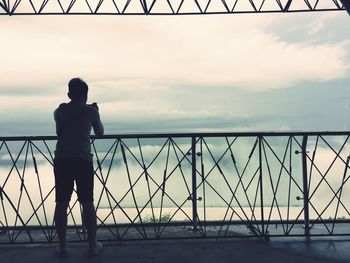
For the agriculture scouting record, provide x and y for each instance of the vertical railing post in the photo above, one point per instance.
(194, 184)
(261, 188)
(305, 187)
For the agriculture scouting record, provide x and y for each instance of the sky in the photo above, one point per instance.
(266, 72)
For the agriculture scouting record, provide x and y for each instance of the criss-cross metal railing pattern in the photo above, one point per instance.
(200, 185)
(164, 7)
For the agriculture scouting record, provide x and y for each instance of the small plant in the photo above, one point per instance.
(153, 219)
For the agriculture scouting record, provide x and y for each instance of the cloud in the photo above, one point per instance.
(27, 108)
(131, 107)
(227, 50)
(213, 73)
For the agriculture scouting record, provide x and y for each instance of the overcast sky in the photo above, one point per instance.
(171, 74)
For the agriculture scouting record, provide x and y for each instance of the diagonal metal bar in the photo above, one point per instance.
(116, 142)
(287, 6)
(341, 191)
(171, 199)
(240, 176)
(132, 189)
(126, 6)
(179, 208)
(226, 182)
(21, 187)
(35, 210)
(14, 166)
(289, 173)
(171, 7)
(285, 168)
(337, 153)
(234, 6)
(225, 201)
(308, 4)
(99, 4)
(253, 5)
(173, 144)
(203, 183)
(118, 203)
(316, 3)
(321, 174)
(148, 184)
(71, 6)
(306, 194)
(199, 6)
(49, 151)
(151, 5)
(260, 138)
(313, 161)
(178, 10)
(5, 214)
(240, 181)
(330, 202)
(168, 223)
(14, 163)
(329, 168)
(4, 195)
(44, 3)
(88, 5)
(160, 185)
(225, 5)
(70, 213)
(15, 5)
(61, 6)
(50, 160)
(261, 6)
(39, 183)
(163, 185)
(144, 6)
(279, 3)
(232, 198)
(275, 187)
(337, 4)
(4, 6)
(289, 183)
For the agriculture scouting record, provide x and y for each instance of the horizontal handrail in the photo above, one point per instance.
(186, 134)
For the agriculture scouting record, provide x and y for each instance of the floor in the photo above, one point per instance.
(275, 250)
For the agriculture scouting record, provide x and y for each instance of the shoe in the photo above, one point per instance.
(96, 250)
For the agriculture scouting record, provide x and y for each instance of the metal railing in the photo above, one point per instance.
(165, 7)
(193, 185)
